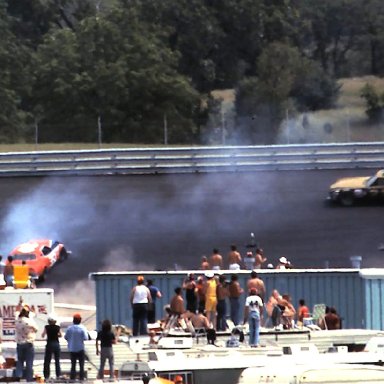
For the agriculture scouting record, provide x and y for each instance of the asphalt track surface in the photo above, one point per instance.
(155, 222)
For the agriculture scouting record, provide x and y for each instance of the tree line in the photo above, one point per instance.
(138, 67)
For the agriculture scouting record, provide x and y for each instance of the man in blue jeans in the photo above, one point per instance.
(25, 332)
(75, 335)
(252, 314)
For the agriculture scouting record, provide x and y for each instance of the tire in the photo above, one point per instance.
(347, 199)
(63, 255)
(41, 278)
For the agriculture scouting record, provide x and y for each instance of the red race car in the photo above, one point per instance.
(40, 256)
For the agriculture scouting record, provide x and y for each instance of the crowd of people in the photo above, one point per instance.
(234, 261)
(213, 301)
(210, 301)
(76, 334)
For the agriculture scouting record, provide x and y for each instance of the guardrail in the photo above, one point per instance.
(193, 159)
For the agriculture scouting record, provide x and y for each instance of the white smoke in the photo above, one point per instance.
(53, 210)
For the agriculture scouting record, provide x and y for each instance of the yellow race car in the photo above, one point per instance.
(350, 190)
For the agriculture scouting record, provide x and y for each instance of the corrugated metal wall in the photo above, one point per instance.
(343, 289)
(374, 297)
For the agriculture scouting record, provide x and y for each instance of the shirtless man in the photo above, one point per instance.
(275, 307)
(198, 320)
(256, 283)
(204, 265)
(216, 260)
(259, 258)
(289, 312)
(177, 303)
(234, 258)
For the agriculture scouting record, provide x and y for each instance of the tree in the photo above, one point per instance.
(13, 81)
(375, 103)
(333, 32)
(371, 40)
(313, 88)
(115, 67)
(283, 75)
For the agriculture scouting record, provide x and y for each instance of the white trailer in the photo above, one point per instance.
(41, 301)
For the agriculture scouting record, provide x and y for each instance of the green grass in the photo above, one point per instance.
(67, 146)
(348, 120)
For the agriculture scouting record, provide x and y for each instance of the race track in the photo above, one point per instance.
(167, 221)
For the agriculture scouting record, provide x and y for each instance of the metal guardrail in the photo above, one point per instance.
(193, 159)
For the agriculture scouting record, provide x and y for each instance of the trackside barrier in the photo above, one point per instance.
(193, 159)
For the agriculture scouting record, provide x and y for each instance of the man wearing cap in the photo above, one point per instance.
(75, 335)
(25, 332)
(140, 297)
(53, 333)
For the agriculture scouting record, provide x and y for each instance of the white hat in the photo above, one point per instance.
(52, 317)
(283, 260)
(209, 274)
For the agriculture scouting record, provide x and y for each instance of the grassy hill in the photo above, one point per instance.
(347, 122)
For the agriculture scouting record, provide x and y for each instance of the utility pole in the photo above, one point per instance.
(288, 128)
(165, 129)
(222, 125)
(99, 133)
(36, 134)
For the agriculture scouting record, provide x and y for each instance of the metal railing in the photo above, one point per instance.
(193, 159)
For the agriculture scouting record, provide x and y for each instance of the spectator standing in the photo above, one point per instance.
(302, 311)
(155, 294)
(204, 265)
(331, 319)
(189, 285)
(249, 260)
(252, 313)
(75, 335)
(260, 259)
(2, 265)
(235, 292)
(200, 294)
(140, 297)
(275, 307)
(255, 282)
(289, 311)
(234, 258)
(216, 260)
(53, 333)
(222, 294)
(25, 334)
(8, 271)
(105, 338)
(210, 289)
(283, 263)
